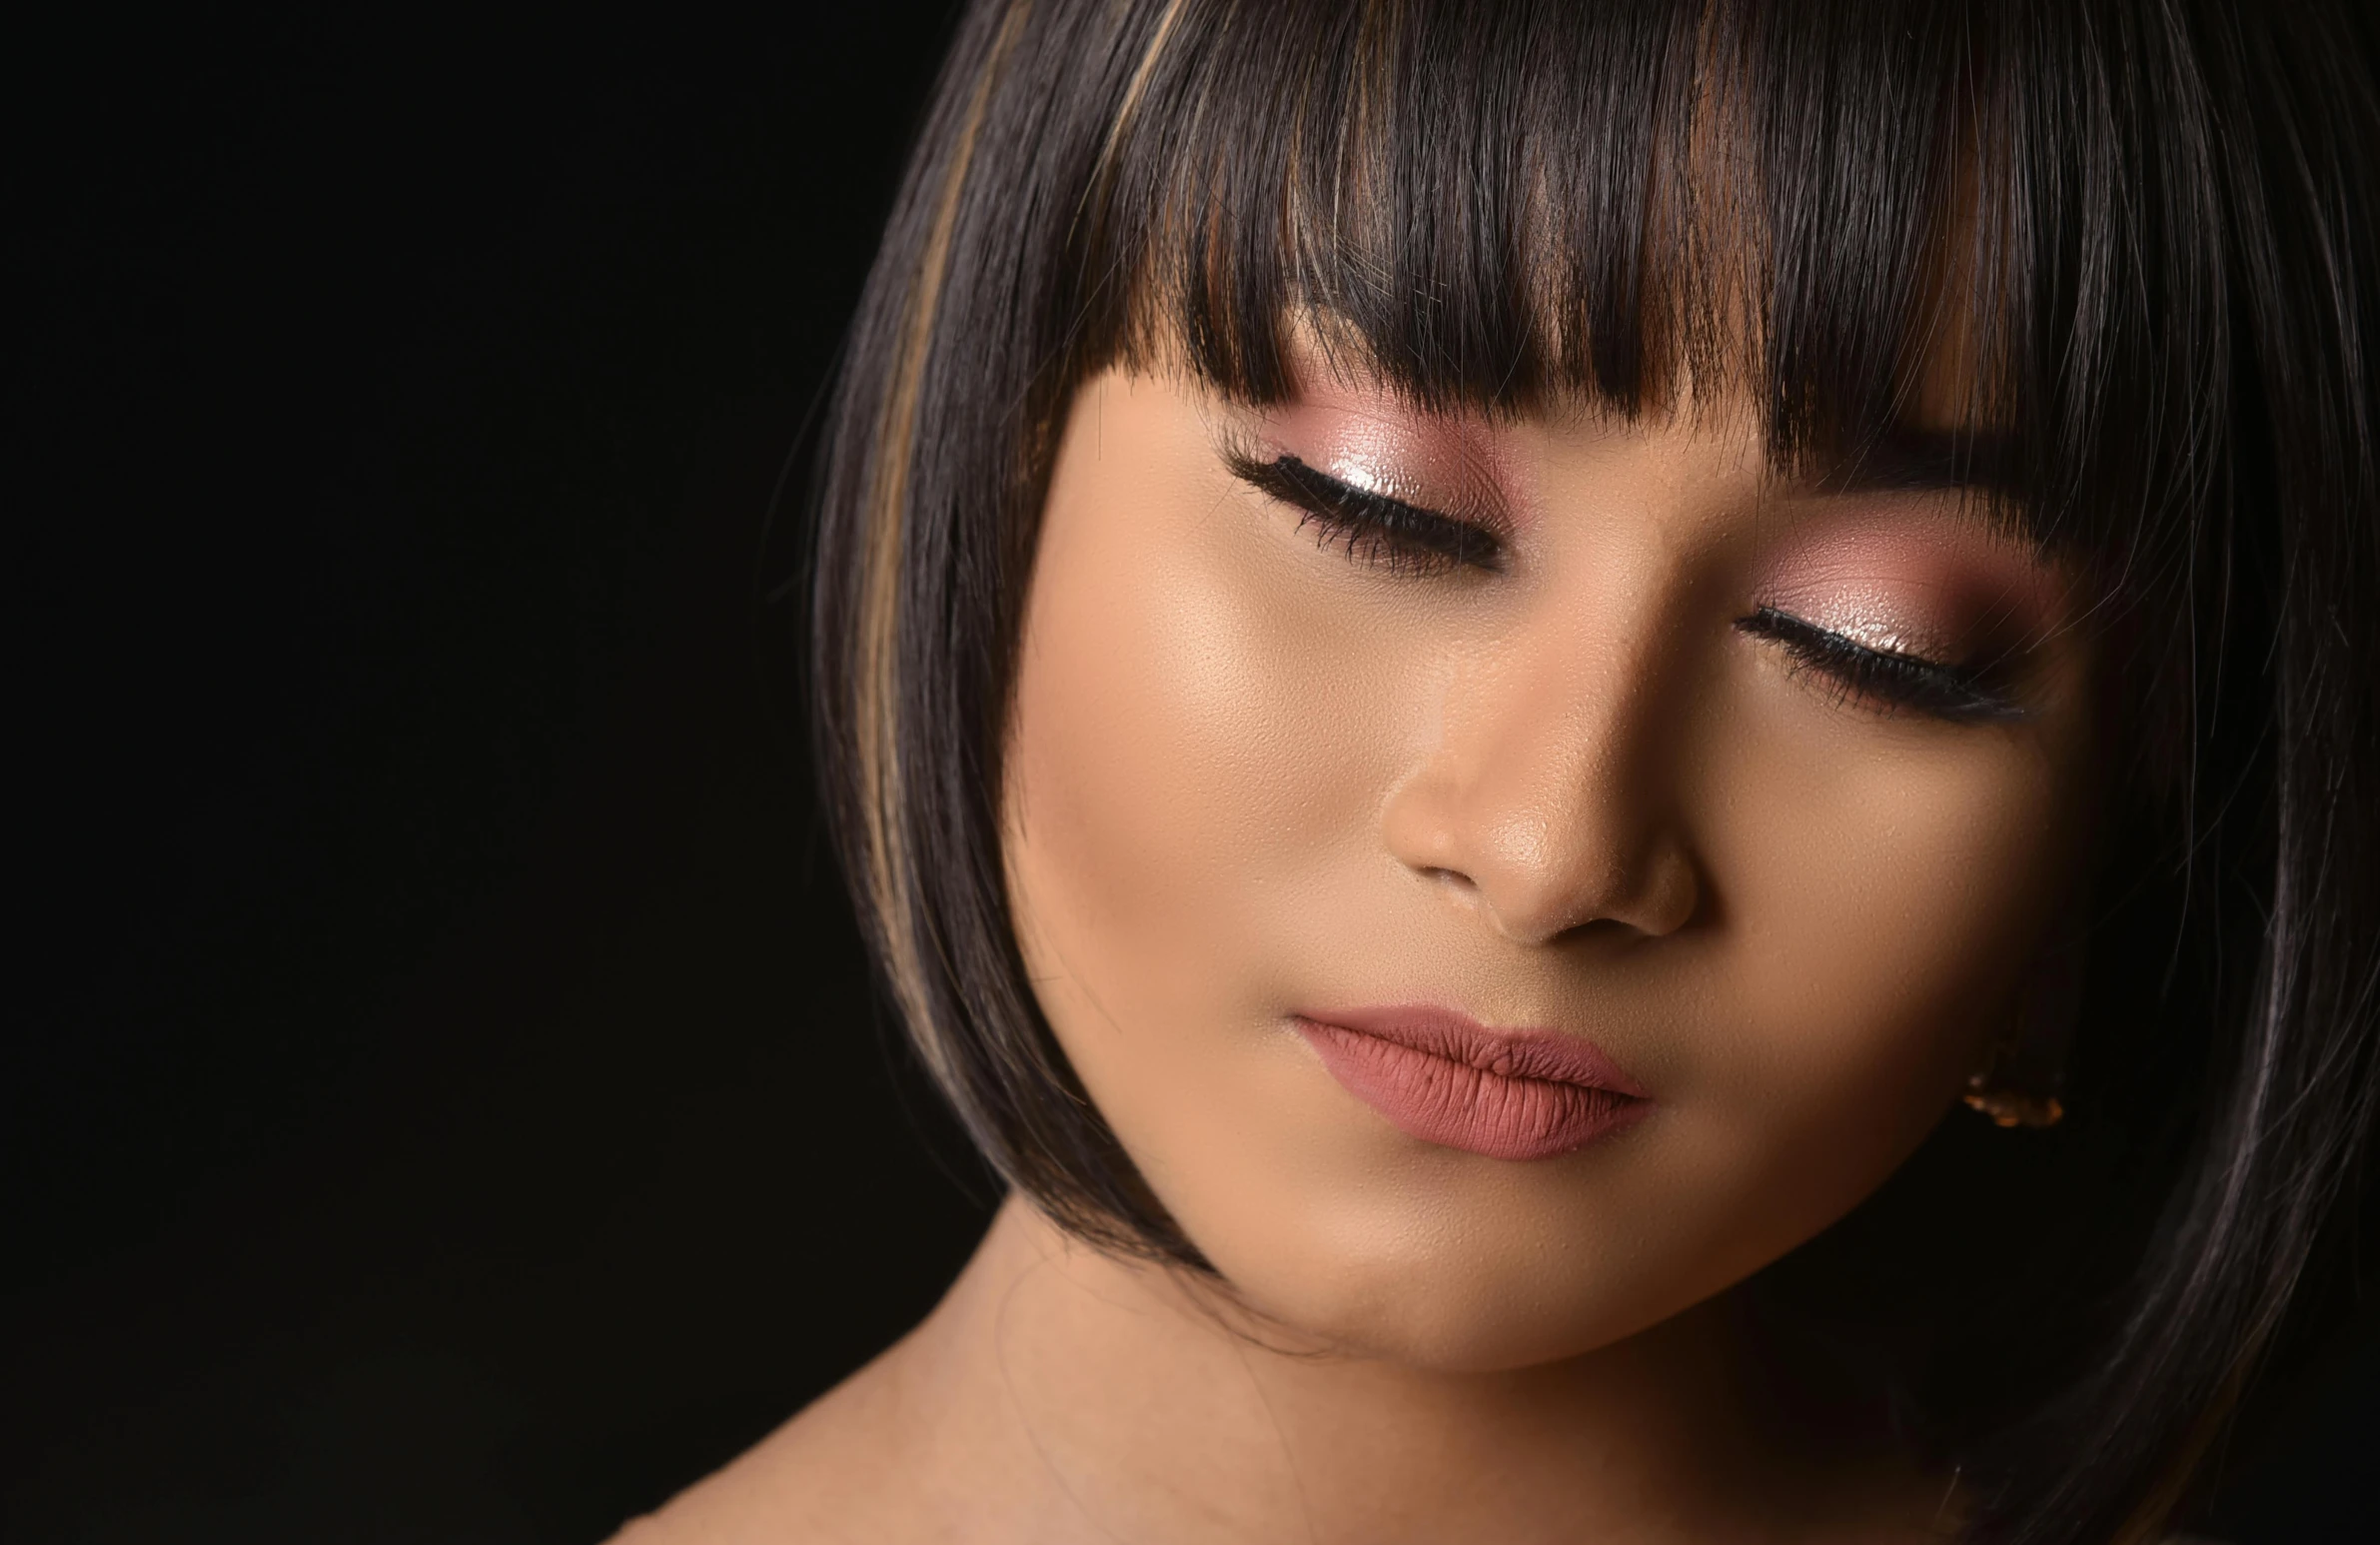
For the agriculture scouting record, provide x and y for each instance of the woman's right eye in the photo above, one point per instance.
(1374, 527)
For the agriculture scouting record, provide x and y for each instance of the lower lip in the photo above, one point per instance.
(1447, 1080)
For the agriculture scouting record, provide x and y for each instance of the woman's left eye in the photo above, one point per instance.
(1884, 677)
(1373, 527)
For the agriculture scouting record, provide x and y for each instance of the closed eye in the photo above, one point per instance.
(1373, 527)
(1388, 533)
(1885, 678)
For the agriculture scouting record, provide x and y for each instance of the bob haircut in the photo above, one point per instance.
(2153, 220)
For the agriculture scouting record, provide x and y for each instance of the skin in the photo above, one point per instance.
(1259, 769)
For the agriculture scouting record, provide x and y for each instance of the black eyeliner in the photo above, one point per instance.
(1413, 535)
(1903, 681)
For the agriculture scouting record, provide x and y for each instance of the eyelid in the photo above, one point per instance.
(1431, 536)
(1952, 693)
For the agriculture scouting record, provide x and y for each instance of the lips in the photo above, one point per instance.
(1444, 1078)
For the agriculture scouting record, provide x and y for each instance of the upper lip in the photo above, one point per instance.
(1555, 1057)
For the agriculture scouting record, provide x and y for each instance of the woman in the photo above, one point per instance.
(1480, 657)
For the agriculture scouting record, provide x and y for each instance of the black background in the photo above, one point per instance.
(450, 1105)
(447, 1101)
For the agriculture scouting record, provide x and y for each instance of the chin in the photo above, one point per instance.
(1432, 1284)
(1443, 1318)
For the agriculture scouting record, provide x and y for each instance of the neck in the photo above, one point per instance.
(1140, 1402)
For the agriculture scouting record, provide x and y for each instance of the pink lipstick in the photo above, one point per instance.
(1446, 1078)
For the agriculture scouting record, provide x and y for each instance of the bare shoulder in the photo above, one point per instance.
(845, 1469)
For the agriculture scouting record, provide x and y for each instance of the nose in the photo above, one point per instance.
(1550, 799)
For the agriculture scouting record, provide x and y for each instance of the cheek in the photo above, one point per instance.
(1885, 884)
(1196, 741)
(1180, 735)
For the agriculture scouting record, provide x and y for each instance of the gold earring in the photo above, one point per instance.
(2018, 1085)
(2010, 1108)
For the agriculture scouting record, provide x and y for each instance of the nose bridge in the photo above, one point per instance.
(1547, 795)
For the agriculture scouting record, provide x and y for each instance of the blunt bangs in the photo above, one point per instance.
(1806, 208)
(2122, 250)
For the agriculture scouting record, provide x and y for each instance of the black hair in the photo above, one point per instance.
(2153, 220)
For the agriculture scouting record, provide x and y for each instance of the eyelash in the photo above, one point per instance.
(1373, 527)
(1884, 677)
(1409, 540)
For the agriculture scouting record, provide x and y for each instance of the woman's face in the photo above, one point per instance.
(1505, 882)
